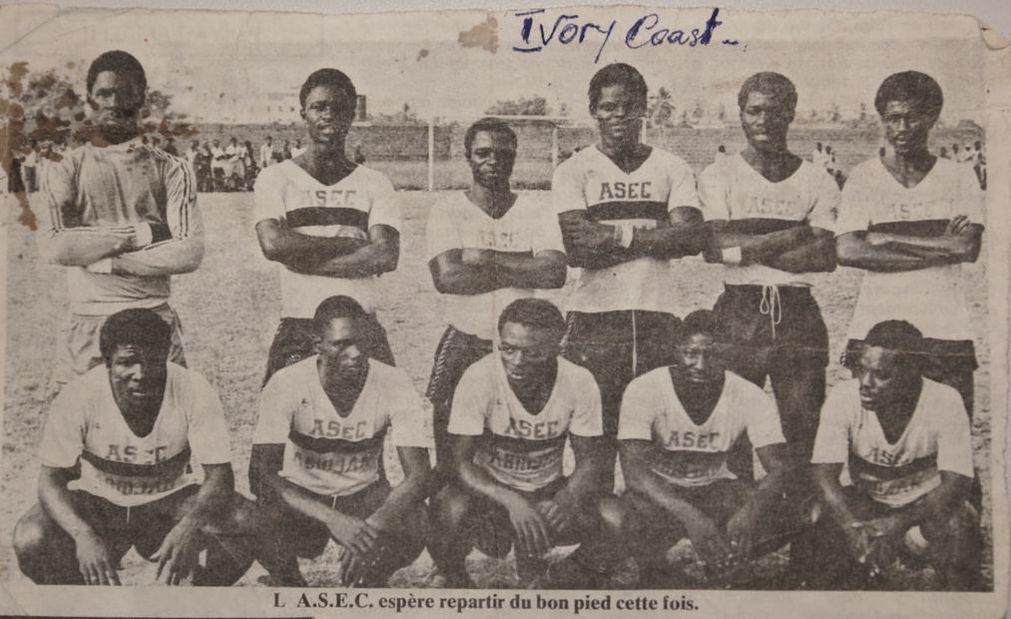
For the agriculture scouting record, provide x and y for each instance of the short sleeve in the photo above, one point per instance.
(975, 198)
(63, 434)
(273, 423)
(409, 426)
(268, 195)
(385, 208)
(954, 437)
(470, 405)
(827, 197)
(587, 417)
(638, 409)
(764, 427)
(567, 188)
(441, 231)
(545, 233)
(208, 434)
(832, 442)
(854, 207)
(683, 190)
(713, 192)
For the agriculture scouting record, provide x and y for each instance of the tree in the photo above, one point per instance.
(524, 106)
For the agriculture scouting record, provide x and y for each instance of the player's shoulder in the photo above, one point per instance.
(85, 388)
(481, 375)
(742, 388)
(274, 174)
(656, 378)
(868, 170)
(391, 377)
(843, 394)
(449, 202)
(188, 379)
(575, 375)
(942, 399)
(289, 376)
(668, 159)
(721, 169)
(372, 177)
(578, 162)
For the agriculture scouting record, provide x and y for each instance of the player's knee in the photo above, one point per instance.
(29, 545)
(613, 515)
(450, 508)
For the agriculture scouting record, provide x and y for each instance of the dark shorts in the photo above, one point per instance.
(456, 352)
(617, 347)
(798, 338)
(295, 340)
(949, 362)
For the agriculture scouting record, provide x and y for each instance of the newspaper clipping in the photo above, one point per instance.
(581, 311)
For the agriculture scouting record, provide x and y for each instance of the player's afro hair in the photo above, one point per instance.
(618, 74)
(537, 313)
(699, 322)
(491, 125)
(768, 83)
(911, 86)
(900, 336)
(335, 307)
(328, 77)
(138, 327)
(120, 63)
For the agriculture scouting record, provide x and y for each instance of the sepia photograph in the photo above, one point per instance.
(565, 309)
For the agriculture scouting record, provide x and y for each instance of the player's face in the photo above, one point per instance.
(116, 102)
(765, 120)
(619, 114)
(491, 159)
(907, 127)
(137, 375)
(697, 359)
(526, 350)
(340, 351)
(883, 380)
(328, 113)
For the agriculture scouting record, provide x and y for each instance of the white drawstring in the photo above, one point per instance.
(635, 343)
(771, 306)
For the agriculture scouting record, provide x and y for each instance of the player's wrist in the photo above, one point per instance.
(143, 234)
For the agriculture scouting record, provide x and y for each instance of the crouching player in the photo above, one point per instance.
(511, 414)
(317, 460)
(907, 442)
(133, 425)
(677, 427)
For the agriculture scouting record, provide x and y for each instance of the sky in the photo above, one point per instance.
(222, 66)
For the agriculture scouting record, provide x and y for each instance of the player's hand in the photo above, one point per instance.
(531, 529)
(709, 543)
(879, 536)
(354, 534)
(177, 556)
(587, 234)
(559, 515)
(94, 561)
(739, 531)
(477, 257)
(353, 567)
(958, 225)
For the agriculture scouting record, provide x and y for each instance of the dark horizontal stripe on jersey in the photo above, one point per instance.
(336, 445)
(760, 225)
(642, 209)
(166, 468)
(862, 468)
(327, 216)
(522, 445)
(676, 460)
(922, 227)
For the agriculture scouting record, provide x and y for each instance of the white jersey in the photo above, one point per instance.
(731, 190)
(933, 299)
(519, 449)
(124, 184)
(936, 439)
(690, 454)
(330, 454)
(454, 222)
(348, 208)
(590, 181)
(85, 423)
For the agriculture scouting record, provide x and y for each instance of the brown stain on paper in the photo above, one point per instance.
(483, 35)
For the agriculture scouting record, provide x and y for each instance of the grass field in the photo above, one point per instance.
(230, 307)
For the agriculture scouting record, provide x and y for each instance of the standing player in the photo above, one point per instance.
(332, 224)
(123, 218)
(625, 210)
(772, 216)
(487, 247)
(678, 425)
(511, 415)
(907, 442)
(133, 425)
(911, 219)
(317, 462)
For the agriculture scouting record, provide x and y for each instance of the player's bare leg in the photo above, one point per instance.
(955, 546)
(448, 543)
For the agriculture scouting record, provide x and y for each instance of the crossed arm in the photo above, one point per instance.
(475, 271)
(797, 249)
(960, 241)
(593, 245)
(330, 256)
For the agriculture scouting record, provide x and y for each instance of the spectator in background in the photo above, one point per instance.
(218, 164)
(249, 164)
(818, 155)
(234, 169)
(298, 149)
(170, 147)
(267, 152)
(980, 165)
(881, 152)
(359, 154)
(956, 155)
(286, 152)
(202, 168)
(943, 154)
(15, 182)
(191, 153)
(156, 141)
(30, 164)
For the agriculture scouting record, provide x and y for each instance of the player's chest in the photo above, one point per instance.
(508, 234)
(351, 197)
(116, 191)
(644, 184)
(509, 419)
(872, 446)
(783, 200)
(318, 418)
(111, 440)
(676, 431)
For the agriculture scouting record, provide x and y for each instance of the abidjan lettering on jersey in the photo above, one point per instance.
(538, 31)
